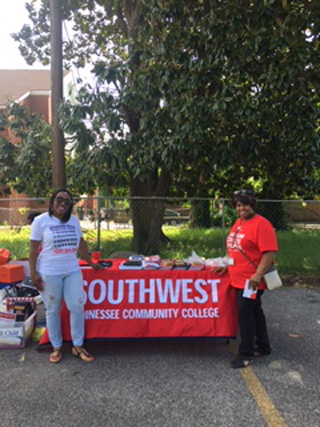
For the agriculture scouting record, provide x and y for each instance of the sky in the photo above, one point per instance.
(13, 15)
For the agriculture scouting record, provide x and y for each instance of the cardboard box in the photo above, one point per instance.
(25, 264)
(18, 335)
(11, 273)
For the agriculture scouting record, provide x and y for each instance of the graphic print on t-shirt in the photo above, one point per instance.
(64, 239)
(234, 240)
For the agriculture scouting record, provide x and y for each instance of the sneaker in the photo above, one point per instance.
(241, 361)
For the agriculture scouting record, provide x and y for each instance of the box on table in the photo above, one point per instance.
(25, 264)
(18, 335)
(11, 273)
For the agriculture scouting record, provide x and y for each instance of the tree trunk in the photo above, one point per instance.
(200, 213)
(148, 208)
(140, 214)
(147, 215)
(57, 139)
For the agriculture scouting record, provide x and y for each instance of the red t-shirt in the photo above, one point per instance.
(254, 237)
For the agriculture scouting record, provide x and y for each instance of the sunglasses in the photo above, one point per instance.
(61, 200)
(245, 192)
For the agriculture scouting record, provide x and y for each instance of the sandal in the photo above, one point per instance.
(82, 354)
(56, 355)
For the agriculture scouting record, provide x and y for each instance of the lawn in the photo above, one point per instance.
(298, 249)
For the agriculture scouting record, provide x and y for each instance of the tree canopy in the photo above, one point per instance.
(192, 96)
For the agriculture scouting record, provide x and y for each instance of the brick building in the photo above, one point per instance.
(30, 88)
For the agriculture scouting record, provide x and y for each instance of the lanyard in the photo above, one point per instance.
(239, 228)
(238, 247)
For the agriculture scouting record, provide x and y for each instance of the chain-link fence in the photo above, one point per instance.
(147, 222)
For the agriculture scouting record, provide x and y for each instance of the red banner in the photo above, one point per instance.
(155, 303)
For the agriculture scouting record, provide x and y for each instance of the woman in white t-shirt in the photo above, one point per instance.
(55, 271)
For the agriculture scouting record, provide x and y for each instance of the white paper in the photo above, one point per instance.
(249, 292)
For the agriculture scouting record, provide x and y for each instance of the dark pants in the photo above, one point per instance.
(252, 325)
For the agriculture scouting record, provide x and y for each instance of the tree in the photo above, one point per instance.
(225, 90)
(121, 120)
(259, 64)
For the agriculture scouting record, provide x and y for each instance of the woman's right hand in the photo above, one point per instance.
(37, 281)
(219, 270)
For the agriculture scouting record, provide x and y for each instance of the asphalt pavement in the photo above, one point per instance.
(174, 383)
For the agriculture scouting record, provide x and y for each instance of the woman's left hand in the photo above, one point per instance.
(254, 281)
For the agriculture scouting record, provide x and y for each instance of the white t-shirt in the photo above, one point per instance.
(60, 243)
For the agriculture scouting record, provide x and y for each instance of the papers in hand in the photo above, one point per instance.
(249, 292)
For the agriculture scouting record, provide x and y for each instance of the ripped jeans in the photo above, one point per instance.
(70, 288)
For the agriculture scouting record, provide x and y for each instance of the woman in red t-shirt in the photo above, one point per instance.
(252, 244)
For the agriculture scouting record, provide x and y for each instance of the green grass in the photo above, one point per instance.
(299, 252)
(206, 243)
(17, 241)
(298, 249)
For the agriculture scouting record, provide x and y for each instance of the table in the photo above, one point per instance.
(154, 304)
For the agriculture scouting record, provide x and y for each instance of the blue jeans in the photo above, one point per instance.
(70, 288)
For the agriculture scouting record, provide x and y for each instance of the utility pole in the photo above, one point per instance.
(57, 139)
